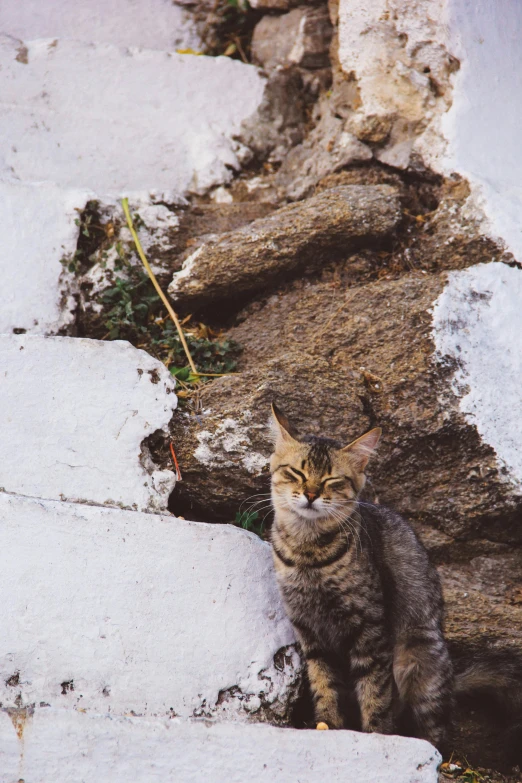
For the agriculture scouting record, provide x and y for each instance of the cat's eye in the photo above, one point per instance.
(292, 477)
(338, 481)
(333, 480)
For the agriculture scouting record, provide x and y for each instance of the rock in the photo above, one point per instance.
(50, 135)
(129, 613)
(339, 219)
(422, 68)
(60, 744)
(328, 148)
(75, 416)
(166, 235)
(484, 603)
(148, 24)
(402, 67)
(281, 119)
(35, 284)
(203, 222)
(301, 37)
(339, 360)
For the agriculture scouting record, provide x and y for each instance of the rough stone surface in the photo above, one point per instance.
(397, 55)
(281, 119)
(122, 612)
(50, 135)
(411, 82)
(74, 415)
(167, 236)
(327, 149)
(34, 285)
(150, 24)
(282, 244)
(321, 348)
(62, 745)
(301, 37)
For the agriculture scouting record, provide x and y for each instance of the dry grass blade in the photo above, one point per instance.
(125, 205)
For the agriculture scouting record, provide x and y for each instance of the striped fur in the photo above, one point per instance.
(357, 584)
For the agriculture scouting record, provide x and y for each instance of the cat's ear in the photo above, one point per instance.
(362, 449)
(281, 427)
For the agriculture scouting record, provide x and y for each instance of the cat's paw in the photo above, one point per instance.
(322, 726)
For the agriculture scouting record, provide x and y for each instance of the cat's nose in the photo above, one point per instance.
(310, 496)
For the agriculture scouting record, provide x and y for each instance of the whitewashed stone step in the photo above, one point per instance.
(118, 611)
(59, 745)
(38, 230)
(121, 121)
(150, 24)
(73, 416)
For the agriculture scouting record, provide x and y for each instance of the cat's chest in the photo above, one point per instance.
(325, 593)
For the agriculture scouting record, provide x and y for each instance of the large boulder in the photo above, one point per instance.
(341, 360)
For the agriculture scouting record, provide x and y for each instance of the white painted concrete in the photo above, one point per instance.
(66, 746)
(443, 79)
(149, 24)
(483, 124)
(38, 229)
(143, 613)
(121, 121)
(73, 415)
(477, 322)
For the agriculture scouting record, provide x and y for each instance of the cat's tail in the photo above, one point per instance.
(496, 675)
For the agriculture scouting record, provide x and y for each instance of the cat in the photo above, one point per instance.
(358, 587)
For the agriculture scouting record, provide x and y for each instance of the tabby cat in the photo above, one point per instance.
(364, 600)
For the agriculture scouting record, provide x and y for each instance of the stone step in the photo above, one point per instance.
(38, 233)
(121, 121)
(149, 24)
(59, 745)
(74, 414)
(123, 612)
(85, 121)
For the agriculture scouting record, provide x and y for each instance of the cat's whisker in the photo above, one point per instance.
(257, 495)
(261, 509)
(252, 506)
(350, 529)
(348, 523)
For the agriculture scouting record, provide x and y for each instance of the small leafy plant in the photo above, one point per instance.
(133, 311)
(249, 520)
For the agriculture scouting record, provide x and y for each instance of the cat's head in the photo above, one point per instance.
(313, 477)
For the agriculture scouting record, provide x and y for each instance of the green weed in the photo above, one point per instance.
(249, 520)
(133, 311)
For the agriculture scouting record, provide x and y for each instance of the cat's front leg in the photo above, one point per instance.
(323, 677)
(324, 686)
(374, 691)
